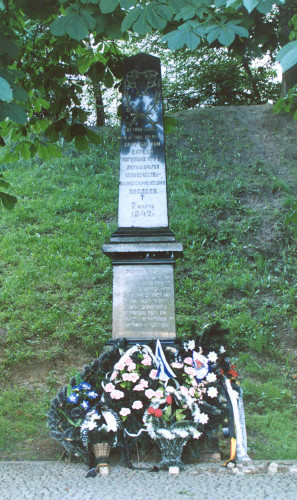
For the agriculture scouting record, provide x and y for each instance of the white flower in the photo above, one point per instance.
(170, 389)
(196, 434)
(189, 346)
(212, 356)
(212, 392)
(125, 411)
(211, 377)
(203, 418)
(137, 405)
(222, 349)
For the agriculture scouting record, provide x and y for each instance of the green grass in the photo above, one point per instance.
(22, 416)
(226, 206)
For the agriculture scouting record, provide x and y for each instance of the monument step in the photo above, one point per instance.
(145, 247)
(138, 234)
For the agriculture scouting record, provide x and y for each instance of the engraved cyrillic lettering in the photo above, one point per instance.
(144, 303)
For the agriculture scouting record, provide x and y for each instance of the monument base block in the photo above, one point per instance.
(143, 285)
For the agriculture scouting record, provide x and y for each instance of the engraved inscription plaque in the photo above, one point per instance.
(143, 302)
(142, 188)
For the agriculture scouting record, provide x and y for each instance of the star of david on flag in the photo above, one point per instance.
(164, 371)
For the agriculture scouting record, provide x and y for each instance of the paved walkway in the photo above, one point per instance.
(62, 481)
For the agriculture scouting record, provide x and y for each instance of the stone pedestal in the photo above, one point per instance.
(143, 288)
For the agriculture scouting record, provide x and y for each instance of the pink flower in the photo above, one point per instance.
(192, 391)
(183, 390)
(177, 365)
(138, 387)
(144, 383)
(190, 370)
(134, 377)
(131, 367)
(137, 405)
(125, 411)
(120, 365)
(188, 361)
(127, 377)
(149, 393)
(109, 387)
(146, 360)
(115, 394)
(153, 374)
(159, 394)
(128, 361)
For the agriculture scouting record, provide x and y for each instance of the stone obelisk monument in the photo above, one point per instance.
(143, 249)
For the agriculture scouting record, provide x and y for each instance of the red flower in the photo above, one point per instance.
(151, 410)
(222, 371)
(169, 400)
(233, 371)
(158, 412)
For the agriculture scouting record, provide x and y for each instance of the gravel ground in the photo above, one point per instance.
(60, 480)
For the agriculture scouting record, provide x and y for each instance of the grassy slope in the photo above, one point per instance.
(231, 180)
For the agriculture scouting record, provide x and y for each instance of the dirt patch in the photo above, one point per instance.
(271, 138)
(36, 373)
(3, 336)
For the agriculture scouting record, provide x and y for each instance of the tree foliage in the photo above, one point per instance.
(212, 76)
(44, 45)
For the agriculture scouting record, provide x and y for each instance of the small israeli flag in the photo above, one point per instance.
(164, 371)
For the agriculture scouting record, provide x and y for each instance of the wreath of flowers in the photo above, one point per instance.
(122, 394)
